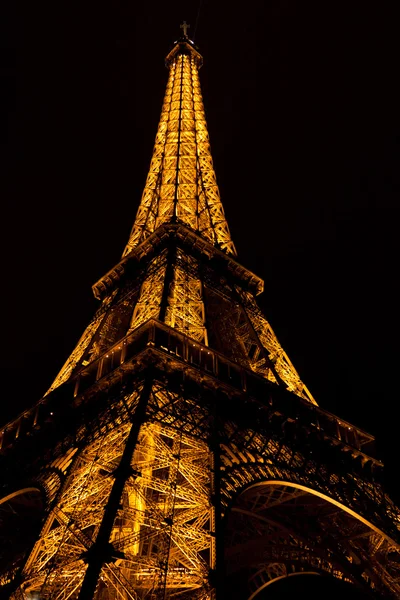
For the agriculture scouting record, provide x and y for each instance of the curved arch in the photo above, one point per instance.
(298, 523)
(366, 502)
(21, 516)
(19, 492)
(329, 499)
(267, 583)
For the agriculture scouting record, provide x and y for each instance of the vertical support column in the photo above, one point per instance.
(178, 153)
(101, 549)
(169, 513)
(169, 276)
(217, 572)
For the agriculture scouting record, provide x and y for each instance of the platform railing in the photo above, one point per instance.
(184, 350)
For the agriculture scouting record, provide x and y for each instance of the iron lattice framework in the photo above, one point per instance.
(181, 184)
(178, 453)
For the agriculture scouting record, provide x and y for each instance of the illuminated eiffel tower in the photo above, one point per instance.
(178, 453)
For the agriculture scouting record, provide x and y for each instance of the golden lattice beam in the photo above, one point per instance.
(181, 185)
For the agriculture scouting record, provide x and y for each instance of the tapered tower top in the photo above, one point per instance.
(181, 186)
(184, 45)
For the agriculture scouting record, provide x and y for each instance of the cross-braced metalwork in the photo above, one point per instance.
(178, 454)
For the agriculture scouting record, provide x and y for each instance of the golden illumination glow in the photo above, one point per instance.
(185, 311)
(174, 415)
(181, 185)
(276, 353)
(164, 519)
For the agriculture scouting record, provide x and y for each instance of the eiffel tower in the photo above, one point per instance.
(178, 454)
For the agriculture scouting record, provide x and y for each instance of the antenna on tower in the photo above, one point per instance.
(197, 19)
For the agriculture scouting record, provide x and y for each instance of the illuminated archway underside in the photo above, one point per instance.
(277, 529)
(363, 541)
(272, 573)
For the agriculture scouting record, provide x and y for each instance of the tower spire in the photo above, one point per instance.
(181, 185)
(179, 224)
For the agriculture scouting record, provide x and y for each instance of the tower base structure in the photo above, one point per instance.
(175, 472)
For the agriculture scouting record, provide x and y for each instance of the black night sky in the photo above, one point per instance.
(302, 107)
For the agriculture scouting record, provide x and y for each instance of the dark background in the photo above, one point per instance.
(302, 107)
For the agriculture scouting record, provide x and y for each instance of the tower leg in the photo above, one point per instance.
(217, 574)
(102, 549)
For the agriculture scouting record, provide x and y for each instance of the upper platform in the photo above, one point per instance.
(186, 46)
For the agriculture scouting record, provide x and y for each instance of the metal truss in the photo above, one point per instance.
(276, 530)
(185, 310)
(78, 352)
(178, 446)
(181, 184)
(181, 188)
(161, 538)
(151, 292)
(327, 520)
(282, 500)
(276, 354)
